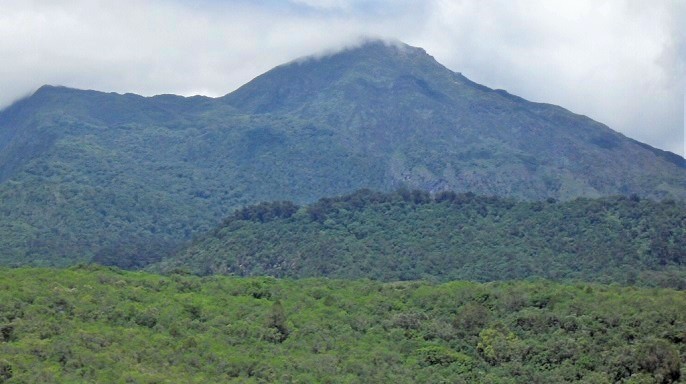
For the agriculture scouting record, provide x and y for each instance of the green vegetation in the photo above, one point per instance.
(128, 181)
(94, 324)
(409, 235)
(87, 175)
(134, 190)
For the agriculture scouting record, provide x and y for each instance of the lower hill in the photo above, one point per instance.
(92, 324)
(410, 235)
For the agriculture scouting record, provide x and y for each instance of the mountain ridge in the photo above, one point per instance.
(88, 172)
(389, 46)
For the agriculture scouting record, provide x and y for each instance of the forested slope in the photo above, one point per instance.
(87, 175)
(91, 324)
(410, 235)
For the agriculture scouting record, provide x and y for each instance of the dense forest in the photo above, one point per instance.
(97, 324)
(409, 235)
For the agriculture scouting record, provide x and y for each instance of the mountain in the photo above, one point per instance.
(410, 235)
(436, 130)
(89, 175)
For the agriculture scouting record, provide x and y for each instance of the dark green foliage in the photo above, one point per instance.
(264, 212)
(123, 179)
(659, 358)
(409, 235)
(276, 321)
(134, 252)
(6, 332)
(5, 371)
(96, 324)
(437, 355)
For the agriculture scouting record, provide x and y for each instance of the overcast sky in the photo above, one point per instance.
(621, 62)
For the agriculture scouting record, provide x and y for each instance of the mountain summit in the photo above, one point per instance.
(99, 174)
(356, 74)
(438, 130)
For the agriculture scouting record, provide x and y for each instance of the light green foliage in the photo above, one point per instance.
(498, 345)
(95, 324)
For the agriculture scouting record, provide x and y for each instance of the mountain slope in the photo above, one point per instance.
(436, 130)
(80, 182)
(85, 174)
(410, 235)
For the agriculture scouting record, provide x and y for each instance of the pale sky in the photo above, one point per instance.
(621, 62)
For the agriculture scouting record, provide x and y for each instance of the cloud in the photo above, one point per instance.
(614, 61)
(620, 62)
(326, 4)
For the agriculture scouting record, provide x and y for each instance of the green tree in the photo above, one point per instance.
(277, 321)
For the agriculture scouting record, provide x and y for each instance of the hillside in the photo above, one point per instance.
(411, 235)
(86, 174)
(98, 325)
(433, 129)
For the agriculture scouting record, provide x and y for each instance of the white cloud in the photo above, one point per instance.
(598, 59)
(326, 4)
(620, 61)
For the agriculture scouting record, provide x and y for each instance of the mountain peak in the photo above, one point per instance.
(369, 69)
(51, 88)
(371, 47)
(379, 51)
(48, 90)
